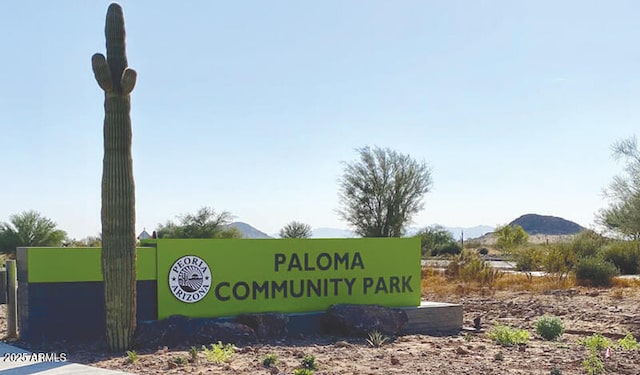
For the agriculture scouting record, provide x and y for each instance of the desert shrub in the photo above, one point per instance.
(507, 336)
(132, 356)
(595, 272)
(625, 255)
(451, 248)
(509, 238)
(483, 251)
(269, 360)
(587, 244)
(596, 342)
(559, 259)
(309, 362)
(180, 361)
(528, 258)
(376, 339)
(193, 354)
(303, 371)
(628, 342)
(433, 239)
(549, 327)
(218, 353)
(593, 365)
(470, 267)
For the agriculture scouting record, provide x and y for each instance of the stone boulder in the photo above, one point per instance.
(359, 320)
(266, 326)
(178, 330)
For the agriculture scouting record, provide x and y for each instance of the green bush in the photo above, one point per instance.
(559, 260)
(593, 365)
(218, 353)
(595, 272)
(470, 267)
(549, 327)
(528, 258)
(309, 362)
(269, 360)
(625, 255)
(451, 248)
(596, 342)
(587, 244)
(507, 336)
(628, 342)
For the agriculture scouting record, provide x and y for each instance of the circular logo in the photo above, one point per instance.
(190, 279)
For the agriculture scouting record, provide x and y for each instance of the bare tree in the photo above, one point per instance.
(296, 229)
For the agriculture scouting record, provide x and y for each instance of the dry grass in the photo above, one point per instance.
(617, 293)
(434, 281)
(625, 282)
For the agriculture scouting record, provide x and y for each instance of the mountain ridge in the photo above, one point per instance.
(549, 225)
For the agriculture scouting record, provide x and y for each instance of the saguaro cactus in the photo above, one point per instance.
(118, 192)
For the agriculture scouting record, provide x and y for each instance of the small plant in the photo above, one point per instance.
(303, 371)
(593, 364)
(193, 354)
(550, 328)
(218, 353)
(269, 360)
(628, 342)
(132, 356)
(596, 342)
(468, 337)
(556, 371)
(498, 356)
(180, 361)
(376, 339)
(507, 336)
(309, 362)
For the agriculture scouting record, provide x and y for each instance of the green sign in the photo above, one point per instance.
(226, 277)
(78, 264)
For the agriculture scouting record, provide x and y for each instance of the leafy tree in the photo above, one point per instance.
(510, 237)
(623, 214)
(29, 228)
(436, 240)
(296, 229)
(205, 223)
(382, 191)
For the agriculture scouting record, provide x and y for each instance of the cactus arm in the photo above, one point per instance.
(101, 72)
(128, 81)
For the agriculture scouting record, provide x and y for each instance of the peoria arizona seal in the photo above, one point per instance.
(190, 279)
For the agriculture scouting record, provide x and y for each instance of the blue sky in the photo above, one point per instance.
(251, 107)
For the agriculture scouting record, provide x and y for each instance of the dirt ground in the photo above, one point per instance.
(584, 311)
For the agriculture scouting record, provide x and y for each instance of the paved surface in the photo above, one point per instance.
(18, 361)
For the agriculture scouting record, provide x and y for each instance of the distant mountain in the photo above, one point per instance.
(550, 225)
(247, 230)
(469, 232)
(332, 233)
